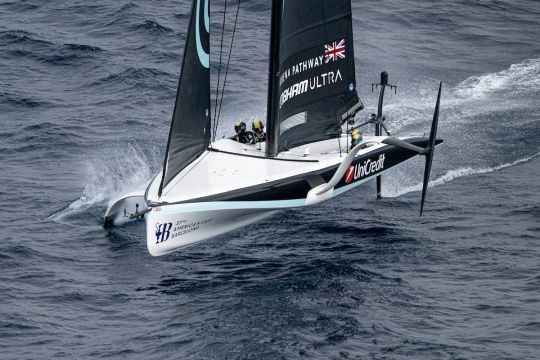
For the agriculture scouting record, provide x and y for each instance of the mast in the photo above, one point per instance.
(272, 121)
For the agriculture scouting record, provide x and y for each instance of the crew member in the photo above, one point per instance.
(243, 136)
(258, 130)
(356, 138)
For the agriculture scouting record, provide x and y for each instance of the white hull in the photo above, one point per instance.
(229, 188)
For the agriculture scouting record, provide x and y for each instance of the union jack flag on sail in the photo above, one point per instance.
(334, 51)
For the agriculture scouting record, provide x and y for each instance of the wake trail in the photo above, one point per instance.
(485, 120)
(458, 173)
(514, 88)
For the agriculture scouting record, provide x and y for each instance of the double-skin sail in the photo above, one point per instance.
(314, 82)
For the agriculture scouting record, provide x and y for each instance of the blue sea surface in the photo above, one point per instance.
(86, 95)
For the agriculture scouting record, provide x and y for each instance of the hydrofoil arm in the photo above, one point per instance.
(324, 191)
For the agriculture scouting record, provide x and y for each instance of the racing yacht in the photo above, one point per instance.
(209, 187)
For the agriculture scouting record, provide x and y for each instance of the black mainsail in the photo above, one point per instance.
(189, 135)
(312, 73)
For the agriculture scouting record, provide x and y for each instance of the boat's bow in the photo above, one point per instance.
(130, 207)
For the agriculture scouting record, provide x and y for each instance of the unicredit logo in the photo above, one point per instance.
(364, 169)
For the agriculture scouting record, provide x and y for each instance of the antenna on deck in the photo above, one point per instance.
(378, 119)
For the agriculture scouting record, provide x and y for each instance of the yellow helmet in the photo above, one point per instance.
(239, 125)
(257, 125)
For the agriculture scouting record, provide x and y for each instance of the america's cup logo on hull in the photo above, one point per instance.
(364, 169)
(204, 57)
(163, 232)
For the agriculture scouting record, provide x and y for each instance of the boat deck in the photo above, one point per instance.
(228, 166)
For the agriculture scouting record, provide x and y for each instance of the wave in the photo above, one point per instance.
(127, 7)
(134, 78)
(20, 37)
(458, 173)
(25, 38)
(82, 48)
(25, 45)
(20, 101)
(18, 6)
(153, 27)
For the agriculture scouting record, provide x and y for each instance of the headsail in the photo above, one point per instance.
(189, 135)
(315, 83)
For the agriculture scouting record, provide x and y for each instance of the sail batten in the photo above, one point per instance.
(189, 134)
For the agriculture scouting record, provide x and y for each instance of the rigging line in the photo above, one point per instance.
(228, 60)
(347, 132)
(350, 33)
(214, 130)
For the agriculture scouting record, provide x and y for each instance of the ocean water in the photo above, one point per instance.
(86, 96)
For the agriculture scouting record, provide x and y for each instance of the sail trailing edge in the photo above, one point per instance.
(189, 134)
